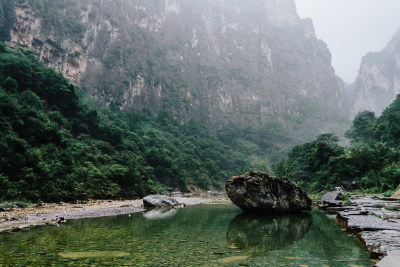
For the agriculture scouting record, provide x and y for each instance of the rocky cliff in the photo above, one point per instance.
(378, 81)
(222, 62)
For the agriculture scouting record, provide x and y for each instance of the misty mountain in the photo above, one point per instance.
(378, 80)
(236, 63)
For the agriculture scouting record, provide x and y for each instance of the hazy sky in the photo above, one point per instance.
(351, 28)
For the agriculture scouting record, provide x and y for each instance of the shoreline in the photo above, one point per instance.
(375, 222)
(18, 219)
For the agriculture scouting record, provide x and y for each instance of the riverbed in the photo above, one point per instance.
(202, 235)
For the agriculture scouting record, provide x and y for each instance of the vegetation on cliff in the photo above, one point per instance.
(54, 147)
(372, 160)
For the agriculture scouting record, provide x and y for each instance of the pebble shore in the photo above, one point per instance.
(17, 219)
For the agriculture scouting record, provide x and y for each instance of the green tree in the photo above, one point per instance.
(361, 129)
(10, 85)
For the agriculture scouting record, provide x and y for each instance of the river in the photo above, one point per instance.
(203, 235)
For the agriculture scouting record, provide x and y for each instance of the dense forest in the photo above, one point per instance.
(372, 161)
(55, 145)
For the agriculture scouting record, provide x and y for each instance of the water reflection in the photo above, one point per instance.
(193, 236)
(258, 234)
(156, 214)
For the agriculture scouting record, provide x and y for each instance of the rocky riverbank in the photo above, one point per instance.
(374, 221)
(16, 219)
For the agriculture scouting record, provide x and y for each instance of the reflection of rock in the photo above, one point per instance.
(155, 214)
(258, 192)
(154, 201)
(257, 234)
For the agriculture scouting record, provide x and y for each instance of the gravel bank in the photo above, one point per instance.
(17, 219)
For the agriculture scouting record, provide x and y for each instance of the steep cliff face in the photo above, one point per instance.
(222, 62)
(378, 81)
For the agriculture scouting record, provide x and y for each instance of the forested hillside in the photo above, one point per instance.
(372, 160)
(54, 147)
(243, 64)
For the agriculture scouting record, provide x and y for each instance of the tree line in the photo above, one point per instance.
(56, 147)
(372, 160)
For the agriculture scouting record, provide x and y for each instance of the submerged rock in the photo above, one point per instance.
(93, 254)
(158, 201)
(232, 259)
(258, 192)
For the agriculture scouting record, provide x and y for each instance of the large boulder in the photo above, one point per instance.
(258, 192)
(159, 201)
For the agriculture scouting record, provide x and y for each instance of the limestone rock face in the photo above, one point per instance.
(258, 192)
(220, 62)
(159, 201)
(378, 80)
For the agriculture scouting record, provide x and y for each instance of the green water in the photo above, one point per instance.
(206, 235)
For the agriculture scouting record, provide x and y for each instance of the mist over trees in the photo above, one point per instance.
(372, 160)
(54, 147)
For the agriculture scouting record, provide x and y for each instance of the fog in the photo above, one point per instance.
(351, 28)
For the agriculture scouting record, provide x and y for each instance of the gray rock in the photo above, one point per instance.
(379, 243)
(332, 199)
(358, 223)
(258, 192)
(391, 260)
(154, 201)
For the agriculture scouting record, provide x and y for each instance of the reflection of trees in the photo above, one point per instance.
(258, 234)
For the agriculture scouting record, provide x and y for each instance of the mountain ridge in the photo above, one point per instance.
(240, 63)
(378, 80)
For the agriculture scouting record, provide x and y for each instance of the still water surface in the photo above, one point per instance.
(205, 235)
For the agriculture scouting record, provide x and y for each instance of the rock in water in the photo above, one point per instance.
(258, 192)
(158, 201)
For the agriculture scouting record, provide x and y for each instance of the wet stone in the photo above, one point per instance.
(366, 222)
(380, 242)
(391, 260)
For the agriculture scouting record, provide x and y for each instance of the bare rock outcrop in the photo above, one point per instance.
(258, 192)
(378, 80)
(219, 62)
